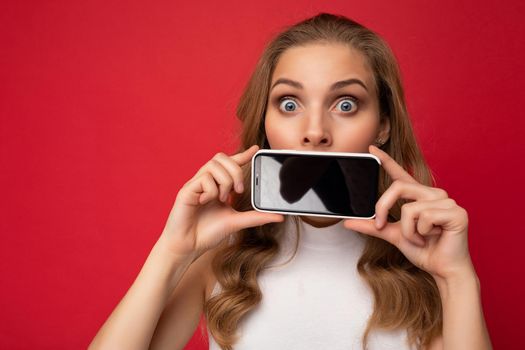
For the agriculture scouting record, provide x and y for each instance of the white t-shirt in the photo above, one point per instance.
(317, 300)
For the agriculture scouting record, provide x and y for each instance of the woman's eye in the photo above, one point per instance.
(287, 105)
(347, 105)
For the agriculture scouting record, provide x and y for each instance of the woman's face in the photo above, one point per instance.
(322, 98)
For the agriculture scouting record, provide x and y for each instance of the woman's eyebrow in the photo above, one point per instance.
(335, 86)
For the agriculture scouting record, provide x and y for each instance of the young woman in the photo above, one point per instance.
(404, 280)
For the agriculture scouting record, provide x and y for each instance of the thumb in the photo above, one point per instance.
(363, 226)
(368, 227)
(246, 155)
(252, 218)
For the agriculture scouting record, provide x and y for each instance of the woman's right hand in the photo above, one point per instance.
(201, 216)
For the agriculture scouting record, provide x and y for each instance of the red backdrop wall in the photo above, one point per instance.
(108, 107)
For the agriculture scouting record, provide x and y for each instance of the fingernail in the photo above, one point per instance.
(379, 222)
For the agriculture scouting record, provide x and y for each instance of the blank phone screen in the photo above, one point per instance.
(345, 186)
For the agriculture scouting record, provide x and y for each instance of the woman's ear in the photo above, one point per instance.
(384, 129)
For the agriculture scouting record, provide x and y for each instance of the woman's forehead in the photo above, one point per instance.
(321, 65)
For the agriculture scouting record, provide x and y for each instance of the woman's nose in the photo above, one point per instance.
(317, 131)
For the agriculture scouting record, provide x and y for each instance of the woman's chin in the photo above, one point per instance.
(319, 221)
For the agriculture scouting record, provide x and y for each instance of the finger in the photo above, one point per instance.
(426, 227)
(393, 169)
(454, 219)
(251, 218)
(407, 190)
(203, 189)
(222, 177)
(425, 222)
(420, 214)
(416, 214)
(390, 233)
(242, 157)
(409, 217)
(245, 156)
(233, 169)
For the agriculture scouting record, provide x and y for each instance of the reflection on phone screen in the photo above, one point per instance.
(344, 186)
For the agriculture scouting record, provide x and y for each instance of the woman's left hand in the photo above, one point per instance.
(432, 231)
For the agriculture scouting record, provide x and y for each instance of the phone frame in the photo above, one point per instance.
(254, 177)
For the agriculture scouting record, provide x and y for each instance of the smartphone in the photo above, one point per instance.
(312, 183)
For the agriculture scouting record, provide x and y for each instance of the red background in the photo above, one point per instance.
(108, 107)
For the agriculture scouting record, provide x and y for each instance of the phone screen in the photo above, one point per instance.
(323, 184)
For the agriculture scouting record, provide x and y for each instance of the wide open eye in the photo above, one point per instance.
(347, 105)
(287, 104)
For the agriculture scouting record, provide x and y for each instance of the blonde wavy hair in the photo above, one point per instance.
(404, 295)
